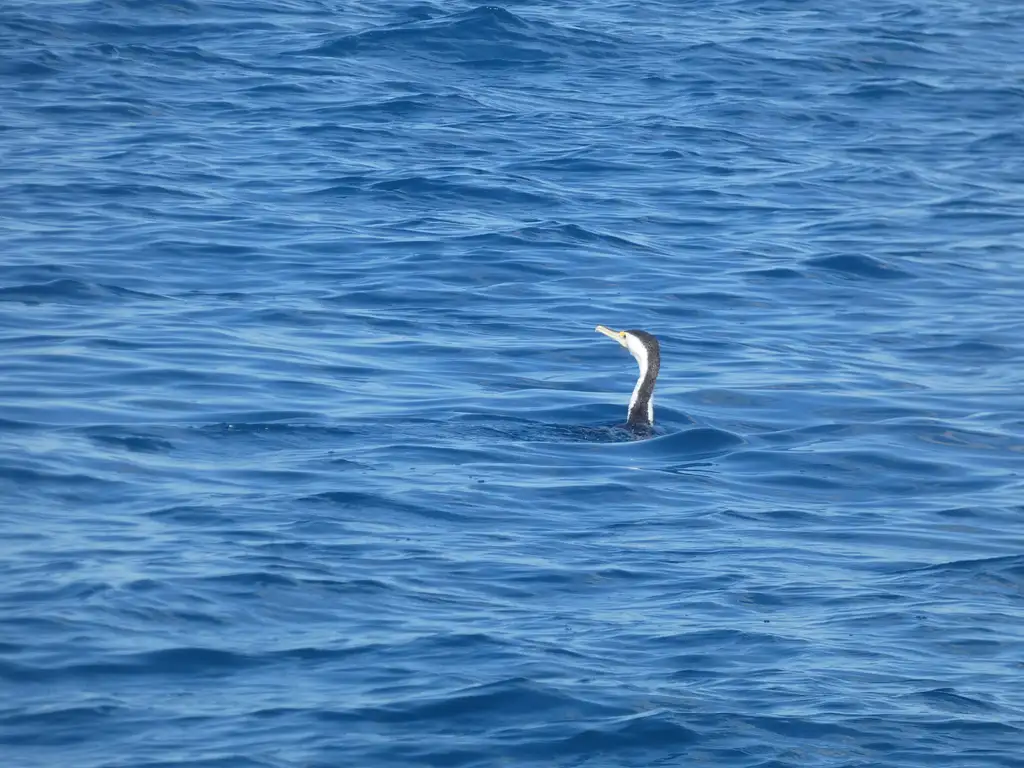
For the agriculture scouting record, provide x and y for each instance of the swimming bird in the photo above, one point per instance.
(645, 349)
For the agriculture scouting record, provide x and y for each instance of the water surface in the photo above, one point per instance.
(307, 454)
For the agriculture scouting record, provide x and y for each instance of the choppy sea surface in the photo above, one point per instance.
(308, 448)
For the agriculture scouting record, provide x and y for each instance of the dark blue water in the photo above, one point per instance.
(307, 446)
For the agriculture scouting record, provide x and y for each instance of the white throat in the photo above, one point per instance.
(639, 353)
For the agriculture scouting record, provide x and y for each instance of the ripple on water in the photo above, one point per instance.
(309, 454)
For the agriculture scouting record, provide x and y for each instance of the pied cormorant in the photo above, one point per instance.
(644, 348)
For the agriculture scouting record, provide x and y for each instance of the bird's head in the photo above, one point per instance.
(639, 343)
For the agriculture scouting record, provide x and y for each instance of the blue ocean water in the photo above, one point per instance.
(307, 446)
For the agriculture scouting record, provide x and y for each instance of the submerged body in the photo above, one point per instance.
(647, 352)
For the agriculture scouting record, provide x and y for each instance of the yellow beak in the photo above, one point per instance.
(619, 336)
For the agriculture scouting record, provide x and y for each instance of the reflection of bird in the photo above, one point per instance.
(644, 347)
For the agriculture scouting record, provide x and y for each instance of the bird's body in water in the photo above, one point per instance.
(647, 353)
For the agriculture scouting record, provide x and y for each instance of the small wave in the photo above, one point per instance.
(699, 443)
(68, 291)
(179, 661)
(487, 37)
(859, 265)
(135, 443)
(368, 503)
(490, 189)
(449, 33)
(975, 567)
(27, 69)
(776, 273)
(980, 351)
(952, 701)
(515, 697)
(279, 422)
(651, 732)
